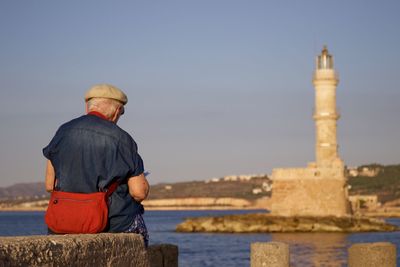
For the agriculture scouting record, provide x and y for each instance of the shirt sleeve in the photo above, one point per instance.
(49, 149)
(128, 151)
(46, 151)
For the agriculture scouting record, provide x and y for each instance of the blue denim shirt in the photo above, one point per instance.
(88, 153)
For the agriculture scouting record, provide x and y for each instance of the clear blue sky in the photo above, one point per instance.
(215, 87)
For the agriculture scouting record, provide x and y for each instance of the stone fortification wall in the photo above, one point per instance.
(309, 192)
(308, 173)
(293, 173)
(85, 250)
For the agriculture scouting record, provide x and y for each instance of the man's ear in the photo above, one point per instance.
(115, 117)
(86, 107)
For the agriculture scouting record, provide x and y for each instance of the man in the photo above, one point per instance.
(88, 153)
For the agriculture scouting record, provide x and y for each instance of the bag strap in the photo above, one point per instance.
(113, 186)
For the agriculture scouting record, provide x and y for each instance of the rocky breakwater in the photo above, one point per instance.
(265, 223)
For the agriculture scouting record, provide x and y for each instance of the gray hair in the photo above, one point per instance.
(105, 106)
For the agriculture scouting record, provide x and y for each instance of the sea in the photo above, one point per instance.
(209, 249)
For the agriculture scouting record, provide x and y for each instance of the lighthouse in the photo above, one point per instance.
(320, 189)
(325, 111)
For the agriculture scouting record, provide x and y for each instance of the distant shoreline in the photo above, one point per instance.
(392, 213)
(161, 204)
(22, 209)
(149, 208)
(205, 203)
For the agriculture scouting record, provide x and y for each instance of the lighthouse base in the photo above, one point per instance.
(311, 191)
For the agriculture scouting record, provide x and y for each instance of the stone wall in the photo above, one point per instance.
(309, 192)
(85, 250)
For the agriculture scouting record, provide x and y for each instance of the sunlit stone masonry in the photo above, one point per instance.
(320, 189)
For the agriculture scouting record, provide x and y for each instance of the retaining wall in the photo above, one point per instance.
(98, 250)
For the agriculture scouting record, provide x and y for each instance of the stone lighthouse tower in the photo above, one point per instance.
(320, 189)
(325, 111)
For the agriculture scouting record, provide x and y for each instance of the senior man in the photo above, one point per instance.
(89, 153)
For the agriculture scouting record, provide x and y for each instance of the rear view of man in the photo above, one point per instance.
(89, 153)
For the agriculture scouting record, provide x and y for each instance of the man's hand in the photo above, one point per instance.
(50, 177)
(138, 187)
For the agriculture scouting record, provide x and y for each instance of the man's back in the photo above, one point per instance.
(90, 152)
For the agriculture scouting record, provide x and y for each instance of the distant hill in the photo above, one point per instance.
(232, 186)
(253, 188)
(23, 191)
(381, 180)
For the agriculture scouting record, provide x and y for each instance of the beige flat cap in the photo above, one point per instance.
(106, 91)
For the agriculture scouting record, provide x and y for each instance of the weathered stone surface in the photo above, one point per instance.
(74, 250)
(271, 254)
(309, 192)
(163, 255)
(372, 255)
(257, 223)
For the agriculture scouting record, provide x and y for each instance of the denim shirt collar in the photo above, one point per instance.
(98, 114)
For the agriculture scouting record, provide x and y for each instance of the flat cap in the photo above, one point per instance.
(106, 91)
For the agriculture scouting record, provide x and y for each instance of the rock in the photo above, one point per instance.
(264, 223)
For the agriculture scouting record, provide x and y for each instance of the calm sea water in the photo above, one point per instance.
(196, 249)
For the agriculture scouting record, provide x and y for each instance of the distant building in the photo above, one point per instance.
(267, 187)
(364, 171)
(168, 187)
(257, 191)
(212, 180)
(352, 171)
(359, 202)
(231, 178)
(235, 178)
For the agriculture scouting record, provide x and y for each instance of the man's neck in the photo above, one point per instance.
(98, 114)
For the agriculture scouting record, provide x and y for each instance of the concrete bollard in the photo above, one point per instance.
(381, 254)
(271, 254)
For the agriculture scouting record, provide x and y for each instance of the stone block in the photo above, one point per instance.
(74, 250)
(271, 254)
(163, 255)
(381, 254)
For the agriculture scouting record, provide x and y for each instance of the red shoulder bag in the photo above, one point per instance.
(78, 213)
